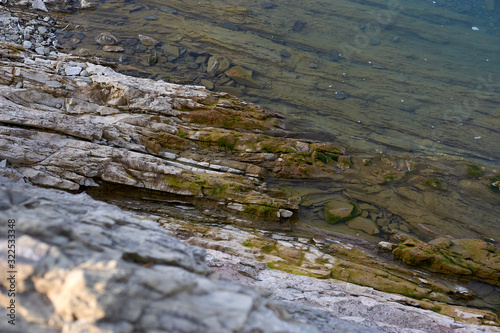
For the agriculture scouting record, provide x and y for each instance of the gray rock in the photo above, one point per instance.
(40, 5)
(84, 73)
(106, 38)
(42, 30)
(73, 70)
(101, 269)
(40, 50)
(150, 18)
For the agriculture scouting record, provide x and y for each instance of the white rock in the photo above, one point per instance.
(73, 70)
(40, 5)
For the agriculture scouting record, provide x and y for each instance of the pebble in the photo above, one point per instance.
(42, 30)
(150, 18)
(73, 70)
(19, 85)
(123, 58)
(148, 41)
(40, 50)
(268, 5)
(298, 25)
(168, 10)
(285, 54)
(374, 42)
(112, 48)
(84, 73)
(27, 44)
(340, 95)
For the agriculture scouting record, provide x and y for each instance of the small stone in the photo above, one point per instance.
(123, 58)
(285, 214)
(217, 64)
(298, 25)
(285, 54)
(112, 48)
(334, 55)
(340, 95)
(374, 42)
(58, 105)
(19, 85)
(268, 5)
(150, 18)
(148, 41)
(3, 164)
(46, 19)
(27, 44)
(73, 70)
(40, 5)
(80, 35)
(42, 30)
(84, 73)
(106, 38)
(243, 76)
(207, 83)
(40, 50)
(168, 10)
(363, 224)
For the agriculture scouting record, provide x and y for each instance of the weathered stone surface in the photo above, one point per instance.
(85, 266)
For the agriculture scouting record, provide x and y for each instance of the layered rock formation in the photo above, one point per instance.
(85, 266)
(75, 123)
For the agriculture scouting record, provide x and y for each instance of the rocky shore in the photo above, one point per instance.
(199, 163)
(87, 266)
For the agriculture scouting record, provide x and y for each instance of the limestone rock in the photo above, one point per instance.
(96, 268)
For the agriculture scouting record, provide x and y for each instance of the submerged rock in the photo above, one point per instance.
(336, 211)
(474, 258)
(106, 38)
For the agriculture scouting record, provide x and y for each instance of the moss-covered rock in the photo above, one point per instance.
(466, 257)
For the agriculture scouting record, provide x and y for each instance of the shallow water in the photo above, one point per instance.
(420, 83)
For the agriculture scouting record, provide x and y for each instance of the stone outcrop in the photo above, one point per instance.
(70, 129)
(86, 266)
